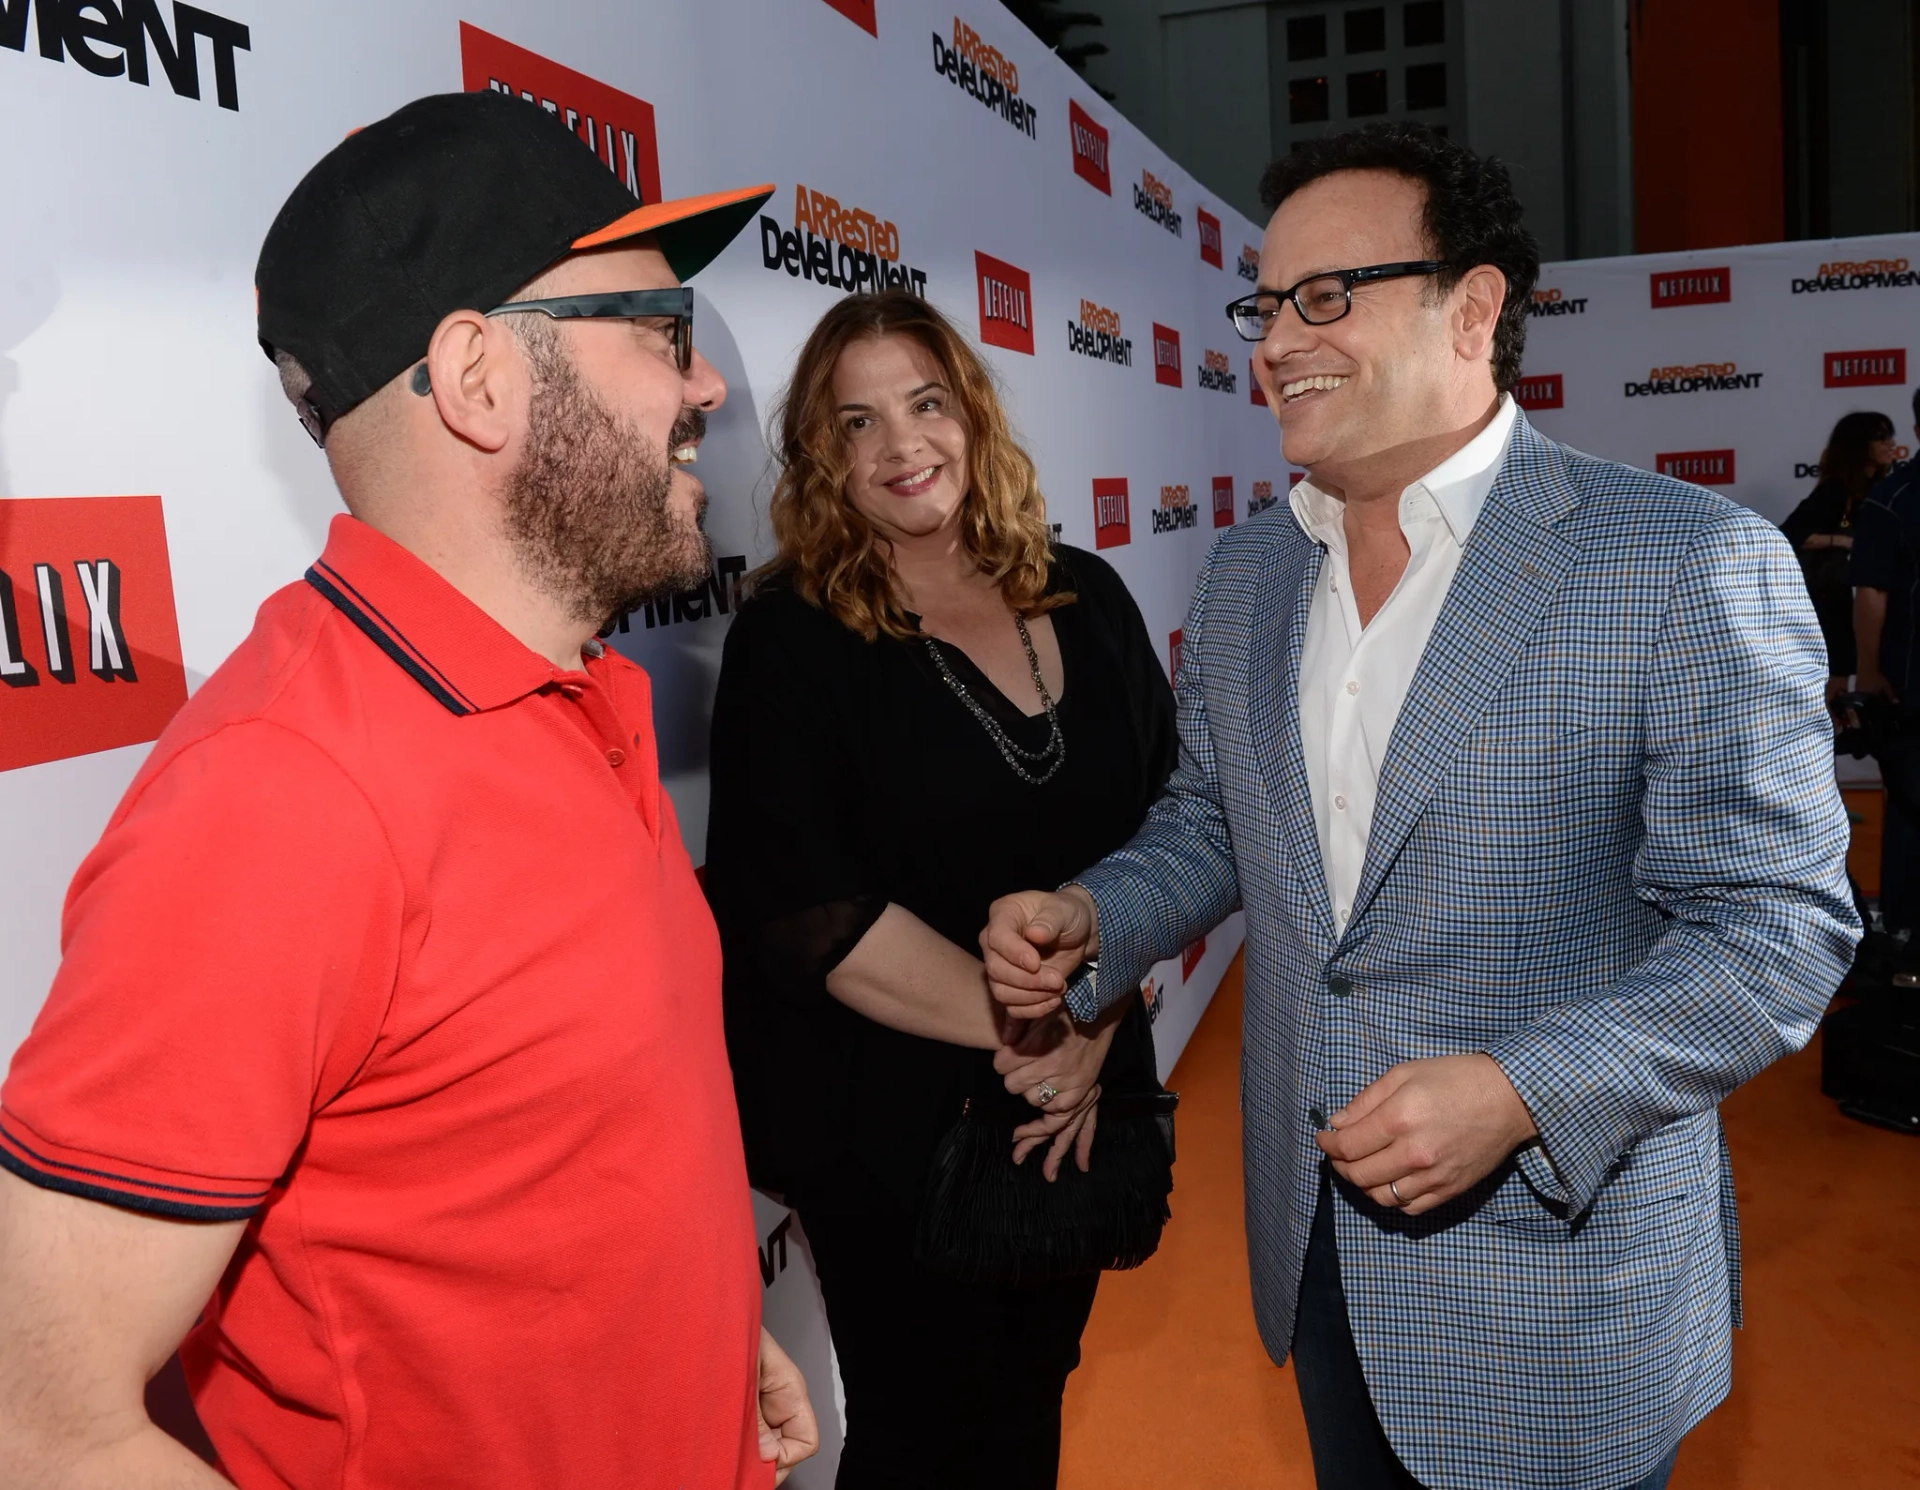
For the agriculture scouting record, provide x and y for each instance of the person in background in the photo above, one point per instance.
(1821, 529)
(924, 704)
(386, 1040)
(1884, 569)
(1517, 762)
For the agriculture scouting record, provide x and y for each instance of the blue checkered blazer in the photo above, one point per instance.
(1608, 850)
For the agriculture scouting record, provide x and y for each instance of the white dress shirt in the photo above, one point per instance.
(1354, 679)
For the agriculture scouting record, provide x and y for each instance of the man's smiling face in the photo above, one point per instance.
(1371, 380)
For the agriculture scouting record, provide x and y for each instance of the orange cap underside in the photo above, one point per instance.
(662, 214)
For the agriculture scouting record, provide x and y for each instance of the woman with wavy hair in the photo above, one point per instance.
(924, 704)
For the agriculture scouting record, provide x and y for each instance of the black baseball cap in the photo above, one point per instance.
(451, 203)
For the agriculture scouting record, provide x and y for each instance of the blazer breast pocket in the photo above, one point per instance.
(1510, 780)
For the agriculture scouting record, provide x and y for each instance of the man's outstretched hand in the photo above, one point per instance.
(788, 1432)
(1033, 942)
(1433, 1128)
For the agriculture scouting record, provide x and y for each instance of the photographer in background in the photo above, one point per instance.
(1858, 453)
(1884, 569)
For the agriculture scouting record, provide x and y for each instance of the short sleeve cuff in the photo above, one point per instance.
(41, 1161)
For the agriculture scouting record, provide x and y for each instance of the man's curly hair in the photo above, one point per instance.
(1471, 218)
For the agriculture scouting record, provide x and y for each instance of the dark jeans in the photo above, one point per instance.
(950, 1386)
(1350, 1448)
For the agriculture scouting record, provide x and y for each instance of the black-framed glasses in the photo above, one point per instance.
(621, 305)
(1320, 298)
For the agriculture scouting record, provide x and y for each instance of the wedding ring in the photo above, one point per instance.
(1394, 1185)
(1048, 1091)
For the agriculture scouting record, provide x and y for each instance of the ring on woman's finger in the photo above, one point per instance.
(1398, 1198)
(1048, 1091)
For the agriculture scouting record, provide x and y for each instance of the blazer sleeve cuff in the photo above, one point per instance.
(1123, 961)
(1572, 1155)
(1538, 1171)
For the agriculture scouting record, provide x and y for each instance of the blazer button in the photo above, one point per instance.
(1339, 987)
(1316, 1116)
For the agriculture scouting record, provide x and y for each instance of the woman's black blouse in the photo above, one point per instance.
(1825, 511)
(845, 775)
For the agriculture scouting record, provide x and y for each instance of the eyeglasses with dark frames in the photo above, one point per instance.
(1321, 299)
(621, 305)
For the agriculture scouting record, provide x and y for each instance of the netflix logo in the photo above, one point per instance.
(860, 12)
(1006, 304)
(1209, 237)
(1174, 643)
(1691, 287)
(1867, 369)
(1190, 959)
(1112, 521)
(1259, 394)
(1089, 148)
(89, 646)
(1701, 467)
(615, 126)
(1166, 356)
(1541, 392)
(1223, 501)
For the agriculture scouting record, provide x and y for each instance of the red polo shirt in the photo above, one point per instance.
(394, 949)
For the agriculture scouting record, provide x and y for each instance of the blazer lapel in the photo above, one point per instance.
(1287, 579)
(1513, 566)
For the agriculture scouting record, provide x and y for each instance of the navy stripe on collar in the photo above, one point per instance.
(384, 635)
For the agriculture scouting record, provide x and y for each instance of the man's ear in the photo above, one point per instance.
(478, 379)
(1479, 297)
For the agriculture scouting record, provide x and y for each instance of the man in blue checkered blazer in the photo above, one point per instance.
(1518, 764)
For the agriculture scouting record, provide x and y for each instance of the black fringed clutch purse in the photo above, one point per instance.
(987, 1220)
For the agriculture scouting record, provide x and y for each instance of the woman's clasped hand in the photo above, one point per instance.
(1055, 1064)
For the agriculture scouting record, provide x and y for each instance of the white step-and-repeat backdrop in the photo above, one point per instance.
(1726, 367)
(156, 486)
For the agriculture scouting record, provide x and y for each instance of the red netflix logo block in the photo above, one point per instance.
(1089, 148)
(1253, 382)
(1166, 355)
(1701, 467)
(1542, 392)
(616, 126)
(1209, 237)
(1006, 304)
(1174, 643)
(89, 647)
(1190, 959)
(1867, 369)
(1691, 287)
(860, 12)
(1223, 501)
(1112, 519)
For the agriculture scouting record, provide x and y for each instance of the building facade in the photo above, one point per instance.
(1629, 125)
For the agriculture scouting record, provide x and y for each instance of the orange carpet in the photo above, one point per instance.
(1176, 1391)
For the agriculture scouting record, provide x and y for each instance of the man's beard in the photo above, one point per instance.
(587, 507)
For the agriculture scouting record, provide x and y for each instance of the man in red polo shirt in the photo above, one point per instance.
(387, 1036)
